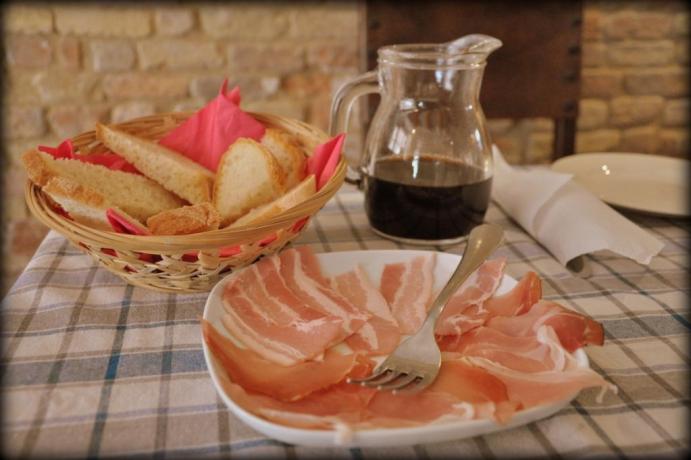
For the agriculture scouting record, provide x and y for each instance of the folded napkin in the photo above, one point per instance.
(325, 158)
(564, 217)
(206, 135)
(121, 224)
(107, 159)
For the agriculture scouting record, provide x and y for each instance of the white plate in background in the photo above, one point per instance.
(651, 184)
(373, 262)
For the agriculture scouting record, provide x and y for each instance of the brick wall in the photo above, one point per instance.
(635, 89)
(70, 65)
(634, 85)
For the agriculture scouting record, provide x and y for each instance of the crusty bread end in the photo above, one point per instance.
(292, 198)
(174, 171)
(36, 168)
(248, 176)
(132, 193)
(195, 218)
(289, 154)
(84, 204)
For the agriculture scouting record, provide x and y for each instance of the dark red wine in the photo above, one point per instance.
(428, 198)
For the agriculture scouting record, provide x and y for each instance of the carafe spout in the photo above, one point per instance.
(474, 44)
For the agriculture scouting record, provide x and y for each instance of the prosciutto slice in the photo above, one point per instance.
(278, 328)
(312, 288)
(380, 334)
(407, 287)
(339, 406)
(534, 388)
(503, 353)
(460, 390)
(526, 354)
(458, 316)
(518, 300)
(573, 329)
(284, 383)
(263, 284)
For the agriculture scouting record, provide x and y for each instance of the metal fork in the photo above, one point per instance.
(415, 363)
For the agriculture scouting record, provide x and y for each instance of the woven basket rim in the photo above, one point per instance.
(209, 240)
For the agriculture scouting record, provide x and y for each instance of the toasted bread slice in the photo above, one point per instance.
(287, 151)
(83, 204)
(136, 195)
(174, 171)
(248, 176)
(195, 218)
(292, 198)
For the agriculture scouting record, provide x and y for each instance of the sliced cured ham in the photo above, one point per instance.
(458, 316)
(380, 334)
(340, 405)
(277, 327)
(526, 354)
(517, 301)
(501, 354)
(573, 329)
(460, 390)
(407, 287)
(314, 291)
(263, 284)
(284, 344)
(284, 383)
(534, 388)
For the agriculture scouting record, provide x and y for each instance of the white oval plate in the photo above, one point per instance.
(651, 184)
(373, 261)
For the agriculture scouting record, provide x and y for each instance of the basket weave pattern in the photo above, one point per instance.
(185, 263)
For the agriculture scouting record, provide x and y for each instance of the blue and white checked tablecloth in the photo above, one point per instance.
(94, 367)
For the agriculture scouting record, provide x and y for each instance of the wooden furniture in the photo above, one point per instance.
(535, 74)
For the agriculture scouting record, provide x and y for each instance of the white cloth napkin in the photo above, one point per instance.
(564, 217)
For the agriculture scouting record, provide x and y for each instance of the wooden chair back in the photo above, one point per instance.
(535, 74)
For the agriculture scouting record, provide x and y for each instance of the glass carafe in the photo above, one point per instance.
(426, 169)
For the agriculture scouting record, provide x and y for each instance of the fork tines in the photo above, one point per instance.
(388, 379)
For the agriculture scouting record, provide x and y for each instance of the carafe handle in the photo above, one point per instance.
(342, 105)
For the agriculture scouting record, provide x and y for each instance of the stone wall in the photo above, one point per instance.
(635, 88)
(70, 65)
(634, 85)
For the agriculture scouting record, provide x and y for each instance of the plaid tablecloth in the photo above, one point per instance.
(95, 367)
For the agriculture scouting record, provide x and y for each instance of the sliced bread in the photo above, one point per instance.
(174, 171)
(292, 198)
(84, 204)
(134, 194)
(248, 176)
(195, 218)
(287, 151)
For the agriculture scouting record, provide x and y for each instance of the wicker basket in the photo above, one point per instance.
(185, 263)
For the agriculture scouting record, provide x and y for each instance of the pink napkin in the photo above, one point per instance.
(121, 224)
(325, 158)
(206, 135)
(107, 159)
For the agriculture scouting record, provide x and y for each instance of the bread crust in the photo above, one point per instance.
(224, 174)
(36, 168)
(292, 198)
(195, 218)
(64, 187)
(192, 181)
(289, 154)
(83, 204)
(150, 198)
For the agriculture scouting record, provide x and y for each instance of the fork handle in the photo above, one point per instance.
(482, 241)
